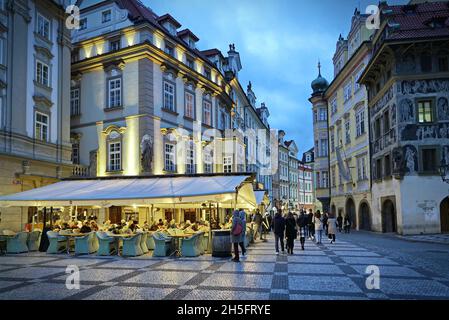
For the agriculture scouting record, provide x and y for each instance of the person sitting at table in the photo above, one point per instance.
(172, 224)
(134, 226)
(65, 226)
(86, 228)
(160, 223)
(94, 225)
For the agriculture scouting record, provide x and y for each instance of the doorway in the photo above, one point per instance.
(389, 221)
(444, 215)
(365, 218)
(350, 212)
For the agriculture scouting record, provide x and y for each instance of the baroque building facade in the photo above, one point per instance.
(408, 85)
(147, 101)
(35, 145)
(347, 103)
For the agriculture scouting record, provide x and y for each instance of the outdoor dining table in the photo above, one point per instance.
(117, 238)
(177, 238)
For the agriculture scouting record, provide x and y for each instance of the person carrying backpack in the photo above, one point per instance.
(237, 234)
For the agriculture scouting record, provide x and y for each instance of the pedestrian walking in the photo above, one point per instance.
(290, 232)
(242, 241)
(332, 227)
(258, 219)
(311, 224)
(302, 226)
(236, 234)
(324, 220)
(279, 230)
(339, 222)
(318, 227)
(347, 224)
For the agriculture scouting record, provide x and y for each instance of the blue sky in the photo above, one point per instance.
(280, 42)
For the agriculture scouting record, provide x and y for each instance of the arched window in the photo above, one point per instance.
(114, 145)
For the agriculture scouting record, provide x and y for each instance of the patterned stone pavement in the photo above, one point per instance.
(321, 272)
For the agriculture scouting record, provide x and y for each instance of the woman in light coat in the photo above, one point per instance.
(318, 227)
(332, 227)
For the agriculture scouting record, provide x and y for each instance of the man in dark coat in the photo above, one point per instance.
(311, 225)
(258, 219)
(302, 224)
(279, 230)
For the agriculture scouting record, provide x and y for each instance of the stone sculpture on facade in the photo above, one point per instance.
(410, 159)
(93, 163)
(398, 161)
(146, 147)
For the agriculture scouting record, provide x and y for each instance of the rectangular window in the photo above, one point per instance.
(360, 122)
(323, 114)
(443, 64)
(387, 164)
(115, 93)
(190, 63)
(207, 112)
(379, 174)
(361, 168)
(325, 179)
(334, 105)
(348, 91)
(348, 131)
(315, 116)
(75, 153)
(75, 102)
(189, 105)
(169, 157)
(169, 50)
(106, 16)
(41, 126)
(115, 45)
(190, 159)
(115, 156)
(334, 182)
(83, 24)
(208, 163)
(42, 73)
(377, 131)
(43, 26)
(425, 111)
(332, 141)
(169, 96)
(386, 122)
(227, 164)
(429, 160)
(207, 74)
(323, 148)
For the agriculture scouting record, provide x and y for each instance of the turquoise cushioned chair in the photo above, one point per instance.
(106, 244)
(143, 243)
(150, 241)
(190, 246)
(57, 244)
(131, 246)
(34, 240)
(18, 243)
(162, 245)
(87, 244)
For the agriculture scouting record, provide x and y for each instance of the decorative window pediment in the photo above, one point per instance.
(114, 68)
(43, 51)
(42, 101)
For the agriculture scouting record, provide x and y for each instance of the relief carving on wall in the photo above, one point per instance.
(407, 111)
(411, 159)
(382, 101)
(425, 86)
(146, 149)
(443, 109)
(414, 132)
(393, 114)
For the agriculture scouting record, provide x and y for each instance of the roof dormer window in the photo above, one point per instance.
(106, 16)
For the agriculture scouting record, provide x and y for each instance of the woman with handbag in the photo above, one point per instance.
(236, 234)
(290, 232)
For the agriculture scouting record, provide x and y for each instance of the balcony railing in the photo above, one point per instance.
(80, 171)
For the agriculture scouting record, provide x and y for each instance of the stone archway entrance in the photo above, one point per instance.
(350, 211)
(389, 221)
(365, 217)
(444, 215)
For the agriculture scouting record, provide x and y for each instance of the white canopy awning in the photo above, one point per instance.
(261, 198)
(170, 191)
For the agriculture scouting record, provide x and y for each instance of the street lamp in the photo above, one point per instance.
(444, 173)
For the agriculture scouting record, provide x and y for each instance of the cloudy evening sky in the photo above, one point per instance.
(279, 41)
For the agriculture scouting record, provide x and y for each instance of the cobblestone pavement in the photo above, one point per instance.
(433, 238)
(321, 272)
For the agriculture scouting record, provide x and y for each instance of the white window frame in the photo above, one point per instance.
(112, 45)
(43, 26)
(361, 168)
(115, 155)
(348, 91)
(322, 115)
(76, 155)
(115, 94)
(189, 105)
(360, 122)
(227, 164)
(75, 106)
(169, 157)
(348, 131)
(41, 128)
(208, 168)
(83, 24)
(190, 158)
(169, 96)
(207, 112)
(334, 105)
(42, 73)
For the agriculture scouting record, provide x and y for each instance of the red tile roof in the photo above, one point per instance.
(415, 21)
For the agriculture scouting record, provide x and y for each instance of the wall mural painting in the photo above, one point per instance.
(398, 161)
(411, 159)
(393, 114)
(382, 101)
(425, 86)
(443, 109)
(445, 155)
(414, 132)
(407, 111)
